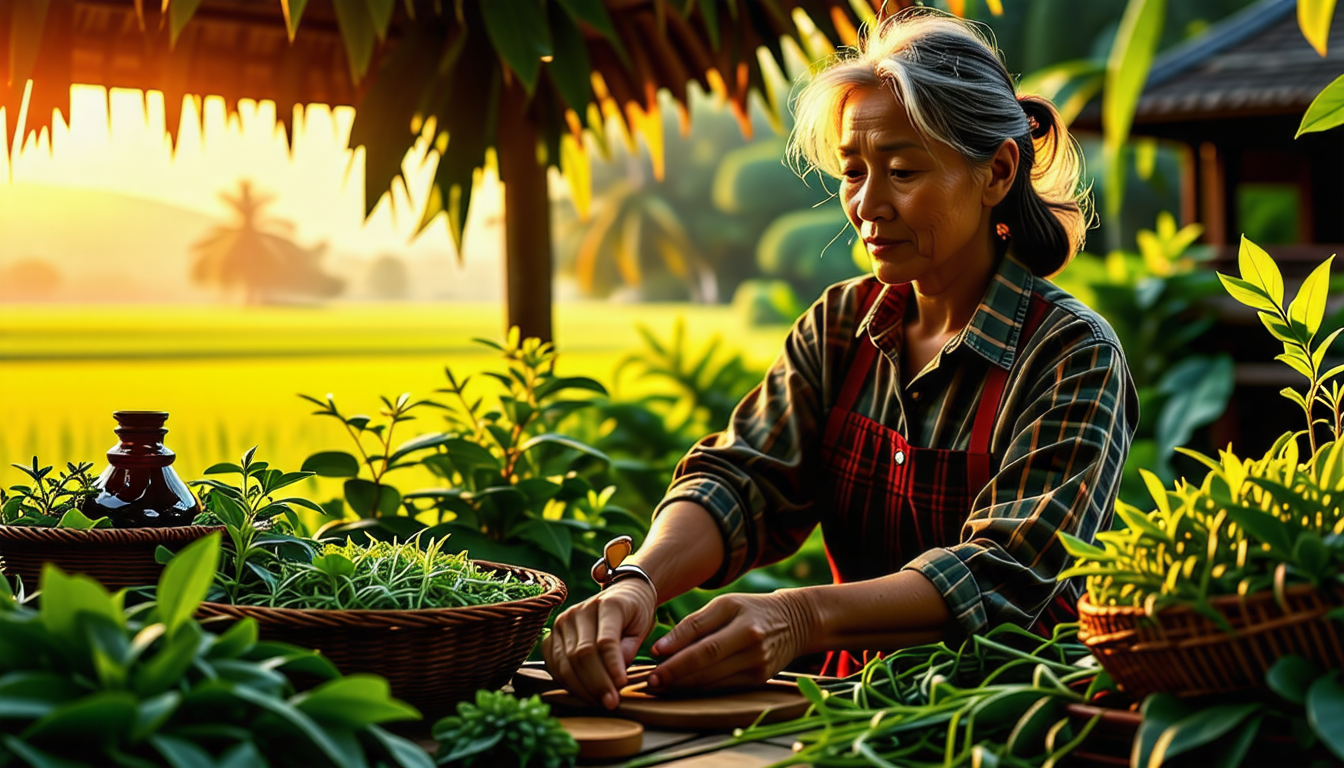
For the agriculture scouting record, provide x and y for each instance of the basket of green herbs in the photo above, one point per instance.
(1202, 593)
(438, 626)
(42, 521)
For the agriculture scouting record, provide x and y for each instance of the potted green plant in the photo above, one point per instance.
(1223, 576)
(437, 625)
(43, 521)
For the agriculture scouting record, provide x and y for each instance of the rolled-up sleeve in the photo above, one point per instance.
(1071, 424)
(759, 476)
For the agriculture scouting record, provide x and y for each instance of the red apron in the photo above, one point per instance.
(892, 501)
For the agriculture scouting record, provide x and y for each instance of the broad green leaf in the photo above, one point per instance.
(165, 668)
(236, 641)
(102, 718)
(1278, 329)
(1296, 363)
(1295, 396)
(1291, 677)
(561, 383)
(302, 722)
(185, 581)
(1028, 735)
(359, 34)
(223, 468)
(1258, 268)
(1308, 307)
(366, 498)
(243, 755)
(1318, 355)
(354, 702)
(65, 597)
(332, 464)
(1313, 18)
(552, 537)
(152, 713)
(35, 757)
(1199, 388)
(520, 36)
(405, 752)
(1234, 752)
(594, 14)
(1263, 527)
(469, 455)
(1200, 728)
(1080, 549)
(1246, 293)
(1326, 110)
(73, 518)
(1126, 72)
(181, 753)
(570, 68)
(1325, 712)
(1160, 710)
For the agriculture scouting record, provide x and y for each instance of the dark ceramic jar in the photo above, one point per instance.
(140, 488)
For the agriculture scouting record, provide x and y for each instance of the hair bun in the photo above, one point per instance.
(1040, 117)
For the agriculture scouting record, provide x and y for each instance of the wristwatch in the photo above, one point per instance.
(610, 569)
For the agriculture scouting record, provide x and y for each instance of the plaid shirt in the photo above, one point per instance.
(1060, 440)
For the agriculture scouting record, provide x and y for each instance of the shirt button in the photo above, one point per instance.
(900, 458)
(914, 395)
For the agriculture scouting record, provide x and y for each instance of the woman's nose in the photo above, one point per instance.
(874, 203)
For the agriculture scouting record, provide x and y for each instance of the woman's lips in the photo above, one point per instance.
(878, 246)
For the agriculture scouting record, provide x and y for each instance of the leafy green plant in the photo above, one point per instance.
(499, 729)
(1251, 525)
(383, 575)
(51, 501)
(85, 681)
(247, 512)
(1261, 288)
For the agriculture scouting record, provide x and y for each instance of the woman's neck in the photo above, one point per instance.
(944, 303)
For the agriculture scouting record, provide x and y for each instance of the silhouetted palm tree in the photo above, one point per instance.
(254, 253)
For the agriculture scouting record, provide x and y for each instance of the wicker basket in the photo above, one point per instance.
(1182, 652)
(433, 657)
(116, 557)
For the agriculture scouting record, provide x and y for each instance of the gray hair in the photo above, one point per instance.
(956, 91)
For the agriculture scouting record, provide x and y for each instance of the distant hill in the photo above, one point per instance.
(106, 246)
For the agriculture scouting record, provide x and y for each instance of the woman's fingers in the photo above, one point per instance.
(596, 657)
(695, 626)
(746, 668)
(702, 639)
(592, 642)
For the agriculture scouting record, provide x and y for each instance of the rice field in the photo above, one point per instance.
(230, 376)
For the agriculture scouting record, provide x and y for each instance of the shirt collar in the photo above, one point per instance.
(995, 328)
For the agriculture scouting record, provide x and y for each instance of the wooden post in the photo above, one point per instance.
(528, 262)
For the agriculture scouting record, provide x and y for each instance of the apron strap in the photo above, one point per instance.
(988, 410)
(857, 373)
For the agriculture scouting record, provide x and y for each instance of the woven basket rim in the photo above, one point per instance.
(555, 594)
(107, 535)
(1085, 604)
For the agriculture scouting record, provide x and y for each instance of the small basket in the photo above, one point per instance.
(433, 657)
(116, 557)
(1184, 653)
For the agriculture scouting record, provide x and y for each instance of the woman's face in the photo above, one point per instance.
(918, 205)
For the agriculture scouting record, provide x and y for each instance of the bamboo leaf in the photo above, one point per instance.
(1258, 268)
(521, 38)
(1313, 18)
(1126, 72)
(570, 68)
(293, 11)
(380, 11)
(179, 13)
(1326, 110)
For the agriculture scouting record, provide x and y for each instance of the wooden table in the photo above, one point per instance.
(668, 743)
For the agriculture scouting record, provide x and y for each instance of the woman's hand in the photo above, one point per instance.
(737, 640)
(593, 642)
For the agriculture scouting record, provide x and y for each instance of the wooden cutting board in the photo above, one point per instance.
(708, 712)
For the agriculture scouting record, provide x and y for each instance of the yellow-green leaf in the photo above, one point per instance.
(179, 13)
(1318, 355)
(293, 11)
(1258, 269)
(1326, 110)
(1296, 364)
(1308, 307)
(380, 11)
(1278, 328)
(1126, 72)
(1313, 18)
(1295, 396)
(995, 7)
(1157, 491)
(1247, 294)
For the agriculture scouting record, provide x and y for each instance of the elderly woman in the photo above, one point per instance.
(942, 419)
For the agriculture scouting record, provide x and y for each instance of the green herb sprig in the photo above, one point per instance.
(499, 729)
(386, 576)
(51, 501)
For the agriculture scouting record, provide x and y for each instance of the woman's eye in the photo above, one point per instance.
(902, 173)
(853, 174)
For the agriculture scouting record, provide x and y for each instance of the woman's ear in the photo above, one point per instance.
(1002, 171)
